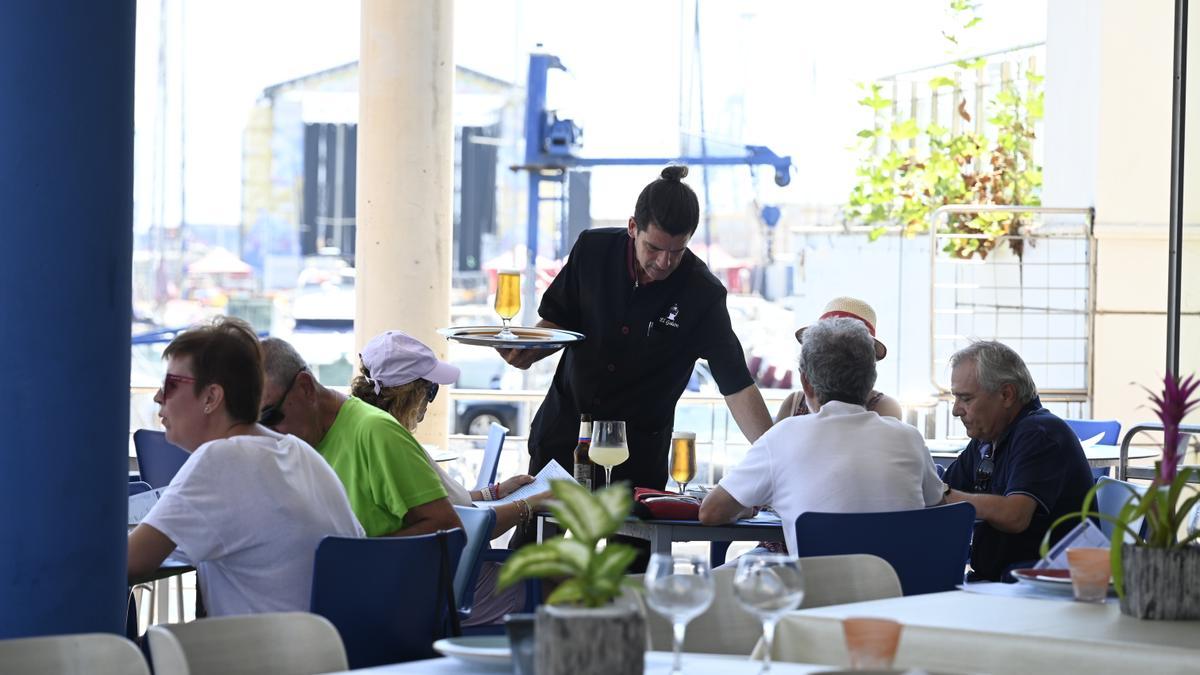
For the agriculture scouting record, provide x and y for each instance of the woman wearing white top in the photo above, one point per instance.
(249, 506)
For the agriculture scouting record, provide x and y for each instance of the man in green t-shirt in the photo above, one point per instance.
(392, 488)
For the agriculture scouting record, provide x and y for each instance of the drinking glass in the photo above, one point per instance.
(768, 585)
(1090, 572)
(683, 458)
(680, 588)
(871, 643)
(609, 446)
(508, 301)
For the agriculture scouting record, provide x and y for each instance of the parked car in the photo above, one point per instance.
(483, 369)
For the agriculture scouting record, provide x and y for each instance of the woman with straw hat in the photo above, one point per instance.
(882, 404)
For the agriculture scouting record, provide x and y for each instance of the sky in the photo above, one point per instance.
(780, 73)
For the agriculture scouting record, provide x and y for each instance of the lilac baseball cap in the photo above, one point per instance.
(395, 358)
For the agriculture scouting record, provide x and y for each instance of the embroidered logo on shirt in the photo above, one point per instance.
(669, 319)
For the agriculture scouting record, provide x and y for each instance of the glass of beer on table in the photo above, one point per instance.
(609, 446)
(508, 300)
(683, 458)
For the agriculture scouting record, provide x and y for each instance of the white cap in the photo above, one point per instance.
(395, 358)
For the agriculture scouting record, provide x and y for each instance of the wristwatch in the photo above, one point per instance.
(946, 492)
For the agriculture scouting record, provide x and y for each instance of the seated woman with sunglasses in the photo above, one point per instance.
(249, 506)
(401, 375)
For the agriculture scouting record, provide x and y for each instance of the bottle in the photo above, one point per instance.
(583, 465)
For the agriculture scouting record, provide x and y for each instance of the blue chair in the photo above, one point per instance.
(478, 524)
(138, 487)
(389, 597)
(491, 456)
(1111, 496)
(927, 547)
(1086, 429)
(158, 461)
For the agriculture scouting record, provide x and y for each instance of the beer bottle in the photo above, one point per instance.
(583, 465)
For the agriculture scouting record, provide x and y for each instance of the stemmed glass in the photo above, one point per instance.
(508, 301)
(681, 589)
(768, 585)
(683, 458)
(609, 446)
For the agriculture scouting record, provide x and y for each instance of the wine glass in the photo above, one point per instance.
(508, 301)
(681, 589)
(683, 458)
(768, 585)
(609, 447)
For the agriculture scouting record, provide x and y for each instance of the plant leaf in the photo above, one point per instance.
(532, 561)
(578, 511)
(572, 552)
(617, 501)
(612, 562)
(568, 592)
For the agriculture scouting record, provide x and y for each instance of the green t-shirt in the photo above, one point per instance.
(381, 465)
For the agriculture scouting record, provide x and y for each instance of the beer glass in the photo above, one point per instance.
(683, 458)
(508, 301)
(609, 446)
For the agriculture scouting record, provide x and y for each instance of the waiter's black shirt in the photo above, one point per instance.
(642, 342)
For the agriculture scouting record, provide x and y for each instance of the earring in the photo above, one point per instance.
(207, 410)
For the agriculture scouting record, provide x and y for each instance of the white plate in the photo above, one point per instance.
(484, 650)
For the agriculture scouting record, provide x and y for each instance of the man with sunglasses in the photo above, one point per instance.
(1023, 468)
(392, 488)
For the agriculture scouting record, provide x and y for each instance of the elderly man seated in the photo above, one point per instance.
(840, 458)
(1024, 466)
(392, 486)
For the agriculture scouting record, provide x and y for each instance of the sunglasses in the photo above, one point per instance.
(983, 472)
(433, 390)
(171, 381)
(272, 415)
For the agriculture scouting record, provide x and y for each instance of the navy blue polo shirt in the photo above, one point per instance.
(642, 343)
(1038, 456)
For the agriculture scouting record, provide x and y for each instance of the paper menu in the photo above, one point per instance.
(540, 484)
(140, 504)
(1084, 534)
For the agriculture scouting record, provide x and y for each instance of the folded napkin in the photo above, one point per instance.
(657, 504)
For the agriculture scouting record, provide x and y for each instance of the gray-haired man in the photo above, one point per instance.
(840, 458)
(1024, 466)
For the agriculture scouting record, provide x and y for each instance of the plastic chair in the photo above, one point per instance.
(1111, 496)
(726, 628)
(387, 596)
(491, 456)
(928, 548)
(80, 654)
(477, 525)
(1086, 429)
(138, 487)
(281, 643)
(158, 461)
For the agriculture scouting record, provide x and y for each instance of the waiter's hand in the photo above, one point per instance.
(520, 358)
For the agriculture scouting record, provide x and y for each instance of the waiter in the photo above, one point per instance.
(649, 308)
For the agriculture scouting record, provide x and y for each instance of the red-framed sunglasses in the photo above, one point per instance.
(171, 381)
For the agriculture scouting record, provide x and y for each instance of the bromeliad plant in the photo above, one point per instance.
(1161, 507)
(594, 578)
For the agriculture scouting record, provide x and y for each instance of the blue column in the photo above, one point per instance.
(66, 203)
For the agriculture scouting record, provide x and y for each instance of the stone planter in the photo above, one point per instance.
(1161, 583)
(580, 641)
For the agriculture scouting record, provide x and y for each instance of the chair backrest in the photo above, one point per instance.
(79, 654)
(1111, 495)
(383, 594)
(928, 548)
(477, 525)
(726, 628)
(158, 460)
(137, 487)
(1086, 429)
(281, 643)
(491, 456)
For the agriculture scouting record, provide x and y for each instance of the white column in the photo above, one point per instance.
(406, 177)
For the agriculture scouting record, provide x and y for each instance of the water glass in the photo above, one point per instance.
(871, 643)
(768, 585)
(680, 588)
(1091, 569)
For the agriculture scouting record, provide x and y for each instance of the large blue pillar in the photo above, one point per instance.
(66, 208)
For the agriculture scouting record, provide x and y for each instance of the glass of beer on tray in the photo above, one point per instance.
(508, 300)
(683, 458)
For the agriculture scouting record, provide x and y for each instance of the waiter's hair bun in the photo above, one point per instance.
(675, 172)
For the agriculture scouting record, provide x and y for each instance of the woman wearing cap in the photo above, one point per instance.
(401, 375)
(853, 308)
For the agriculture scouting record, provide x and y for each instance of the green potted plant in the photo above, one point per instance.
(582, 628)
(1157, 576)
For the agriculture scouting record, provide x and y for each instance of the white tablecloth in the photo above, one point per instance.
(657, 663)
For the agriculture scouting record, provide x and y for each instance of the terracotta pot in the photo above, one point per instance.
(601, 641)
(1161, 583)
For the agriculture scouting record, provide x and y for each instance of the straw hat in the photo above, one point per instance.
(851, 308)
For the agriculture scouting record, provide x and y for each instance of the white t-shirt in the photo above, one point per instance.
(843, 459)
(248, 512)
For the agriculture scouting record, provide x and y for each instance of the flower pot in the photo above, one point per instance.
(581, 641)
(1161, 583)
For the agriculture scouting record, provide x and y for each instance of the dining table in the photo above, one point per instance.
(661, 533)
(996, 633)
(1098, 455)
(657, 663)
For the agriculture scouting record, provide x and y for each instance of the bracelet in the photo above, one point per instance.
(488, 495)
(525, 513)
(495, 490)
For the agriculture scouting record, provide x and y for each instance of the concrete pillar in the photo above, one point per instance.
(406, 178)
(66, 183)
